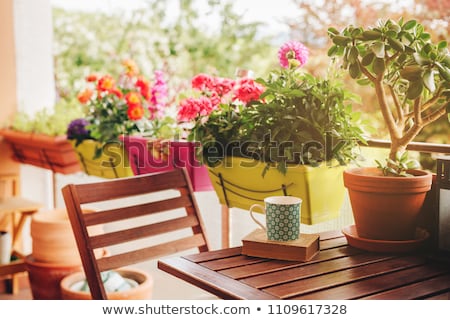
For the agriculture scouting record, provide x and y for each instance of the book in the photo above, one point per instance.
(303, 249)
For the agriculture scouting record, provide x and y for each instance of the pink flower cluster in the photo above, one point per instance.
(216, 91)
(293, 50)
(159, 95)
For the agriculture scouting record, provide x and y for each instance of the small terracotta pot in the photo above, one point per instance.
(142, 292)
(45, 278)
(53, 239)
(386, 208)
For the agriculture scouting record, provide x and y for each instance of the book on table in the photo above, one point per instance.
(304, 248)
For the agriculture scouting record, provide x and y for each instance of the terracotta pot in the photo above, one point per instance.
(386, 208)
(49, 152)
(45, 278)
(53, 239)
(142, 292)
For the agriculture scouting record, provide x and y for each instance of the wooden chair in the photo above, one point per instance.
(14, 212)
(133, 204)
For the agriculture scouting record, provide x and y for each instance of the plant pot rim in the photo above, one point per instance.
(146, 284)
(248, 160)
(376, 172)
(371, 179)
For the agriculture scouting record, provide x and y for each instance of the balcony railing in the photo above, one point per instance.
(413, 146)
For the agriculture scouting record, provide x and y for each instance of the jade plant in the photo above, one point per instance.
(409, 73)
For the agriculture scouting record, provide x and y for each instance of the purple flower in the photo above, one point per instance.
(77, 129)
(291, 51)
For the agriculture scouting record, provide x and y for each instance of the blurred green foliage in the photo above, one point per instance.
(180, 44)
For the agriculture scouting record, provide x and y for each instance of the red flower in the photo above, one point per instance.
(203, 82)
(117, 92)
(248, 90)
(105, 83)
(223, 86)
(144, 87)
(132, 99)
(194, 107)
(91, 78)
(135, 112)
(85, 96)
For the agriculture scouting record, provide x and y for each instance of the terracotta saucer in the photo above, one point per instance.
(388, 246)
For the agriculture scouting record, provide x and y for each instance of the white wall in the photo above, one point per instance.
(35, 83)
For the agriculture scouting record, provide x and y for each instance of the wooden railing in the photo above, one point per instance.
(413, 146)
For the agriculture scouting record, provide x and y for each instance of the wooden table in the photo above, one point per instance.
(338, 272)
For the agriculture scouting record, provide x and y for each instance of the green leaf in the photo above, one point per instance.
(425, 36)
(411, 73)
(378, 49)
(410, 24)
(414, 89)
(428, 80)
(353, 55)
(333, 30)
(333, 50)
(412, 164)
(367, 59)
(442, 45)
(378, 66)
(341, 40)
(443, 71)
(363, 81)
(354, 70)
(421, 60)
(396, 45)
(371, 35)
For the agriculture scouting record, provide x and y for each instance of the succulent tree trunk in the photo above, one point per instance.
(397, 118)
(410, 74)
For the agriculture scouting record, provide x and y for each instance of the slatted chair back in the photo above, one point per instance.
(141, 208)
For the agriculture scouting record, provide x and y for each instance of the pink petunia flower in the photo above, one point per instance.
(203, 82)
(293, 50)
(191, 108)
(248, 90)
(223, 86)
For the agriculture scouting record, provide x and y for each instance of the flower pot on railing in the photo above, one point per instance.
(112, 162)
(147, 155)
(239, 183)
(49, 152)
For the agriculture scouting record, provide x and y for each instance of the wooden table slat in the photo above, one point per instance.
(226, 263)
(440, 296)
(211, 281)
(331, 234)
(329, 280)
(313, 270)
(214, 255)
(375, 285)
(333, 243)
(418, 290)
(245, 271)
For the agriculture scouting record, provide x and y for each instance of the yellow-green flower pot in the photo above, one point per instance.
(239, 183)
(112, 163)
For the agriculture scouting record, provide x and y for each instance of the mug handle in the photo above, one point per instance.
(253, 217)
